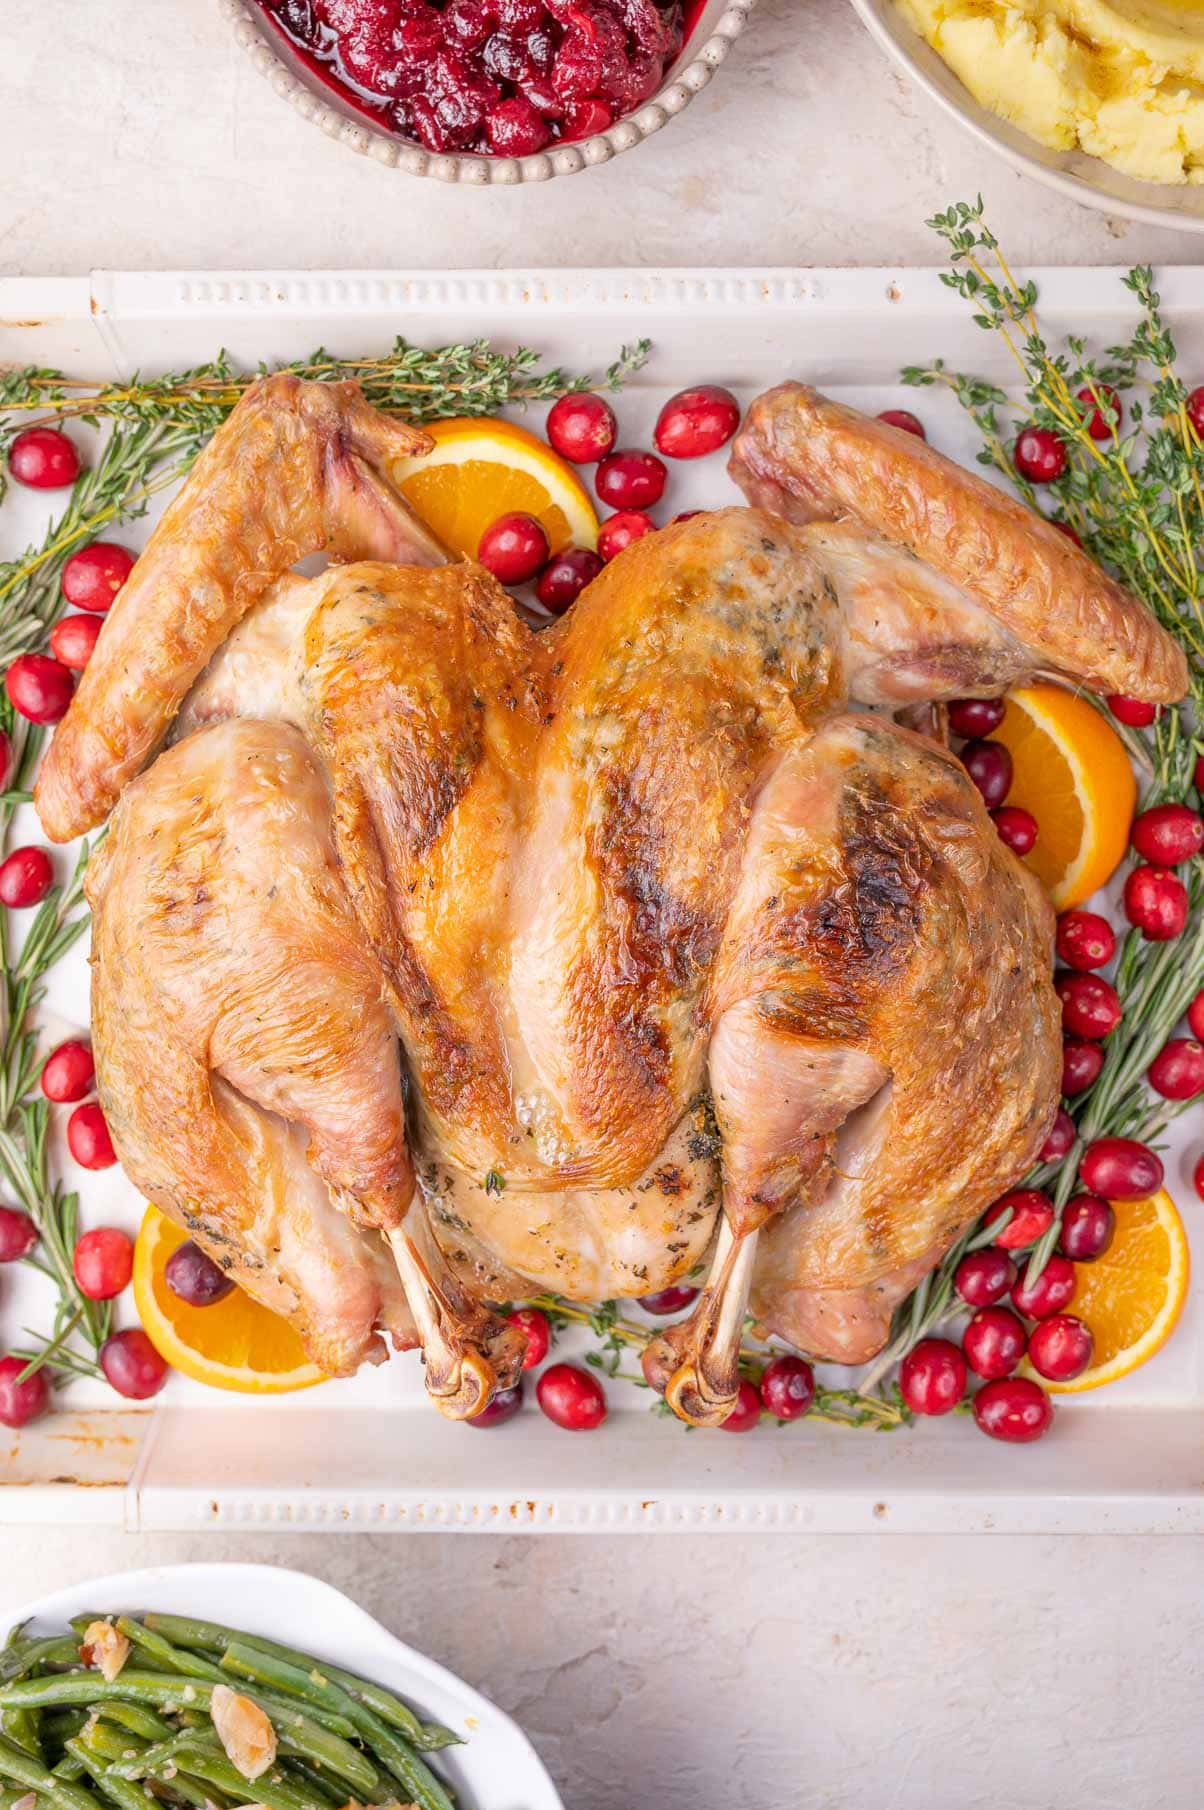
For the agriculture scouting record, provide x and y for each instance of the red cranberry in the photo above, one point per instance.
(1195, 1016)
(619, 531)
(1177, 1071)
(787, 1387)
(747, 1411)
(93, 576)
(1198, 774)
(1195, 410)
(1088, 1228)
(584, 118)
(21, 1402)
(43, 458)
(1060, 1140)
(1090, 1005)
(1039, 455)
(993, 1342)
(1197, 1177)
(573, 1398)
(1120, 1169)
(194, 1277)
(25, 878)
(1085, 940)
(38, 688)
(1081, 1065)
(990, 767)
(905, 420)
(18, 1235)
(1156, 903)
(504, 1405)
(132, 1365)
(1093, 395)
(73, 639)
(1071, 534)
(88, 1138)
(631, 479)
(932, 1377)
(1061, 1348)
(103, 1261)
(6, 759)
(1014, 1409)
(1032, 1214)
(582, 428)
(1017, 828)
(537, 1328)
(515, 129)
(68, 1072)
(1050, 1293)
(985, 1276)
(565, 577)
(1168, 834)
(514, 548)
(975, 718)
(469, 21)
(1134, 713)
(696, 422)
(669, 1300)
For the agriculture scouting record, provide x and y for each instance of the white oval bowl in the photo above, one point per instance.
(1085, 179)
(496, 1769)
(719, 25)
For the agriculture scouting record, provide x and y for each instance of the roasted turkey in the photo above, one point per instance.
(437, 961)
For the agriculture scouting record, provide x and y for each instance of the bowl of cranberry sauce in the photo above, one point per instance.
(489, 90)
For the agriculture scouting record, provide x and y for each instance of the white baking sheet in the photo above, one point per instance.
(372, 1453)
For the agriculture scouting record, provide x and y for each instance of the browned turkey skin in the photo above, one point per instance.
(535, 961)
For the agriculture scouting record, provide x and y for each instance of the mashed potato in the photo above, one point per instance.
(1122, 79)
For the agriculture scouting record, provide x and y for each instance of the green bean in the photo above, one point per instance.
(10, 1799)
(21, 1727)
(316, 1783)
(173, 1659)
(16, 1661)
(23, 1770)
(131, 1686)
(165, 1753)
(313, 1743)
(59, 1725)
(15, 1635)
(70, 1767)
(411, 1772)
(137, 1719)
(270, 1789)
(126, 1797)
(182, 1789)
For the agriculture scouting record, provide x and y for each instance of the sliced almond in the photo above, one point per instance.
(243, 1730)
(28, 1802)
(105, 1648)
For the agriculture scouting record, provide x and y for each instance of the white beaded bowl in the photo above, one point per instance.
(718, 26)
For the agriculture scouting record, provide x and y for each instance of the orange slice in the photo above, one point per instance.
(235, 1344)
(1132, 1296)
(480, 469)
(1073, 773)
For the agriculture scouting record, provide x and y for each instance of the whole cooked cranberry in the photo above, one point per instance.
(1014, 1409)
(1032, 1214)
(1091, 1006)
(43, 458)
(904, 419)
(505, 58)
(669, 1300)
(1088, 1228)
(989, 765)
(747, 1411)
(1060, 1138)
(976, 718)
(132, 1366)
(468, 21)
(1052, 1291)
(631, 479)
(1039, 455)
(619, 531)
(21, 1402)
(1085, 940)
(193, 1276)
(696, 422)
(1156, 903)
(1168, 834)
(26, 876)
(584, 118)
(985, 1276)
(514, 548)
(581, 428)
(73, 640)
(1060, 1348)
(515, 129)
(536, 1328)
(565, 577)
(1094, 395)
(787, 1387)
(1017, 829)
(519, 15)
(993, 1342)
(93, 576)
(68, 1072)
(1081, 1065)
(1134, 713)
(1121, 1169)
(1177, 1071)
(38, 688)
(932, 1377)
(544, 98)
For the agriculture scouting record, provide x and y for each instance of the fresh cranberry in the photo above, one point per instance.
(1032, 1214)
(1195, 410)
(619, 531)
(582, 428)
(1017, 828)
(132, 1365)
(1039, 455)
(515, 129)
(103, 1261)
(68, 1072)
(1156, 903)
(1197, 1177)
(747, 1411)
(1014, 1409)
(21, 1402)
(18, 1235)
(194, 1277)
(984, 1276)
(993, 1341)
(989, 765)
(43, 459)
(669, 1300)
(696, 422)
(585, 118)
(1090, 1005)
(1177, 1071)
(25, 878)
(631, 479)
(1085, 940)
(514, 548)
(1088, 1228)
(537, 1328)
(73, 639)
(1081, 1065)
(904, 419)
(1069, 533)
(1195, 1016)
(1168, 834)
(1198, 774)
(1120, 1169)
(932, 1377)
(565, 577)
(1060, 1348)
(1060, 1139)
(503, 1406)
(1093, 395)
(571, 1397)
(975, 718)
(88, 1138)
(93, 576)
(38, 688)
(1050, 1293)
(787, 1387)
(1134, 713)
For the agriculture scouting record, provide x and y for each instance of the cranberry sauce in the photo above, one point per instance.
(503, 77)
